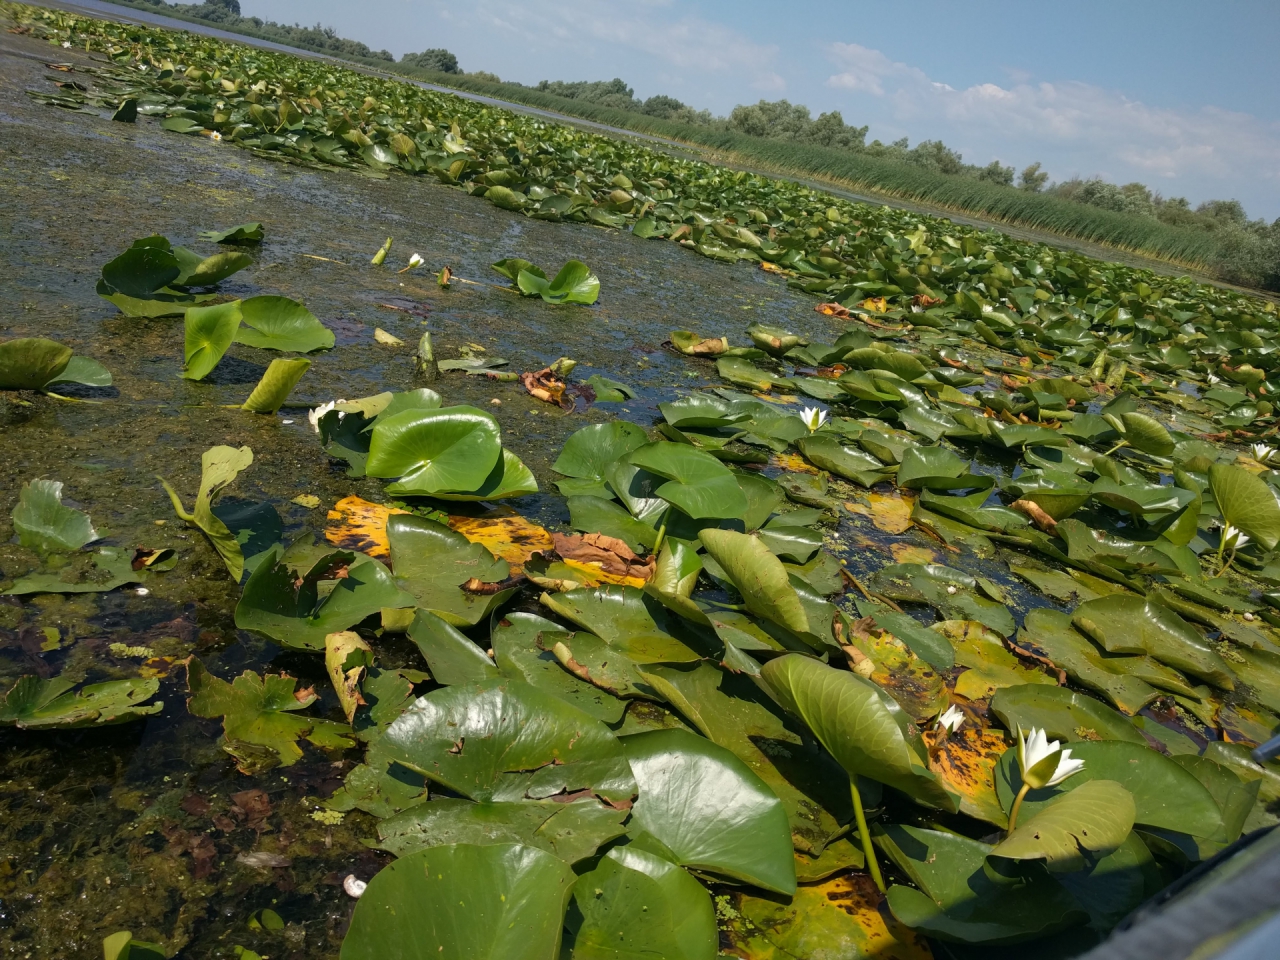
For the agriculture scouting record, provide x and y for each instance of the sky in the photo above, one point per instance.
(1183, 95)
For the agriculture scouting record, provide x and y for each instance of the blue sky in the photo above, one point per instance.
(1183, 96)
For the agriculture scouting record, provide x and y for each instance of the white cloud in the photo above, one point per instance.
(1075, 127)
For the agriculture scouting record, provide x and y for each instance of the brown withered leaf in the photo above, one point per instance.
(610, 554)
(1037, 515)
(251, 807)
(833, 310)
(546, 386)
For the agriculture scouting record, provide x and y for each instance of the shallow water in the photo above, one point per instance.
(94, 837)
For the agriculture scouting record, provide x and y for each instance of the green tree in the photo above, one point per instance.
(437, 59)
(1032, 179)
(994, 172)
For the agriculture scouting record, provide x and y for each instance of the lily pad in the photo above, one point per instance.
(1088, 822)
(859, 724)
(30, 363)
(244, 233)
(435, 451)
(503, 739)
(637, 904)
(219, 467)
(45, 525)
(1062, 714)
(574, 283)
(289, 609)
(492, 902)
(113, 568)
(521, 654)
(35, 704)
(432, 562)
(259, 717)
(573, 831)
(710, 810)
(276, 385)
(759, 576)
(209, 332)
(1052, 633)
(697, 482)
(633, 624)
(587, 454)
(279, 323)
(828, 453)
(451, 657)
(990, 665)
(1246, 502)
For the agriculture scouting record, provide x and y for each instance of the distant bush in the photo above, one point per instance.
(439, 60)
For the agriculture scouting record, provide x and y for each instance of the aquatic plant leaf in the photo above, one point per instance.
(432, 563)
(589, 451)
(346, 658)
(491, 902)
(209, 271)
(598, 515)
(954, 593)
(1062, 714)
(731, 711)
(279, 323)
(828, 453)
(990, 666)
(290, 610)
(1165, 794)
(1146, 434)
(1246, 502)
(84, 371)
(508, 478)
(219, 467)
(521, 654)
(435, 451)
(838, 918)
(697, 482)
(45, 525)
(122, 946)
(710, 810)
(113, 568)
(30, 363)
(276, 385)
(702, 411)
(260, 725)
(1089, 821)
(759, 576)
(1122, 623)
(959, 901)
(608, 390)
(244, 233)
(1051, 632)
(574, 283)
(512, 267)
(256, 526)
(451, 657)
(209, 332)
(636, 904)
(146, 267)
(573, 831)
(35, 704)
(859, 724)
(930, 467)
(635, 625)
(503, 739)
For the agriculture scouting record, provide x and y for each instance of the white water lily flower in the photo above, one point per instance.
(416, 261)
(813, 418)
(315, 415)
(1233, 538)
(215, 135)
(1264, 453)
(1213, 379)
(66, 44)
(1042, 761)
(951, 720)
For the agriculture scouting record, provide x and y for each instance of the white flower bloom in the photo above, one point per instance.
(215, 135)
(813, 418)
(951, 589)
(1264, 453)
(66, 44)
(1233, 538)
(951, 720)
(315, 415)
(1213, 379)
(1042, 761)
(416, 261)
(354, 887)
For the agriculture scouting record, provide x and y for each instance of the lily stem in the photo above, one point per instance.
(1017, 805)
(662, 532)
(1122, 443)
(868, 850)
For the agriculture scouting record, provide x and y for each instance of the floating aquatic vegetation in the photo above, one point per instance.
(34, 363)
(35, 704)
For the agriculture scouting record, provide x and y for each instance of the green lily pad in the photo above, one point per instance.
(703, 411)
(113, 568)
(197, 271)
(1062, 714)
(1124, 623)
(509, 478)
(276, 385)
(1145, 434)
(697, 482)
(45, 525)
(930, 467)
(859, 724)
(451, 657)
(503, 739)
(491, 902)
(989, 665)
(593, 514)
(588, 453)
(288, 609)
(279, 323)
(1165, 795)
(31, 362)
(432, 562)
(759, 577)
(244, 233)
(637, 904)
(521, 654)
(35, 704)
(1246, 502)
(1052, 633)
(828, 453)
(209, 332)
(83, 371)
(731, 711)
(633, 624)
(953, 593)
(219, 467)
(574, 283)
(573, 831)
(958, 900)
(435, 451)
(260, 724)
(1087, 822)
(710, 810)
